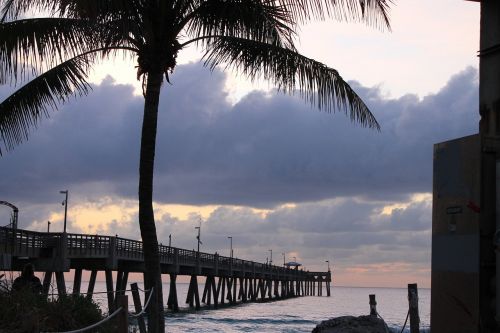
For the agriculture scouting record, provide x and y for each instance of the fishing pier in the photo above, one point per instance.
(226, 278)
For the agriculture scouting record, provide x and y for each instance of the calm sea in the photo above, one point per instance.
(295, 315)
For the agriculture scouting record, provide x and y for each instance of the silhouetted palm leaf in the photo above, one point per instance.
(372, 12)
(250, 19)
(24, 109)
(38, 44)
(289, 70)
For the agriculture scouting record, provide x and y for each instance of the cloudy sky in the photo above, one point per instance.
(266, 168)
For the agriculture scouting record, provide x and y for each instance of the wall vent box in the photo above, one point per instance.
(455, 236)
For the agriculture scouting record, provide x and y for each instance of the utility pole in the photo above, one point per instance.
(489, 131)
(65, 204)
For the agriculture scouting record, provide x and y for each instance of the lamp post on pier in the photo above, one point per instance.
(284, 254)
(328, 262)
(48, 226)
(271, 257)
(230, 246)
(65, 204)
(198, 237)
(169, 240)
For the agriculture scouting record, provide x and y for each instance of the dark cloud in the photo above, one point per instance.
(265, 150)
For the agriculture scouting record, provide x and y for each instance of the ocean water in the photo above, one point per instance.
(294, 315)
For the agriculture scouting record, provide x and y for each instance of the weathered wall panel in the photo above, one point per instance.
(455, 236)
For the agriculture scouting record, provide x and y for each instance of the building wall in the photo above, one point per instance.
(455, 236)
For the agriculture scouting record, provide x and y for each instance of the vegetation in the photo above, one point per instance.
(50, 45)
(25, 311)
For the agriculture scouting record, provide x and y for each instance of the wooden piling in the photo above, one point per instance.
(245, 290)
(47, 278)
(208, 285)
(138, 307)
(373, 305)
(215, 292)
(243, 293)
(77, 281)
(172, 302)
(234, 290)
(109, 289)
(196, 292)
(413, 303)
(250, 289)
(205, 290)
(222, 281)
(263, 288)
(61, 284)
(119, 275)
(229, 297)
(190, 293)
(90, 288)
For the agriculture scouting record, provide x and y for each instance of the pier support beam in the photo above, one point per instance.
(250, 290)
(241, 292)
(229, 297)
(61, 284)
(47, 278)
(222, 284)
(172, 302)
(77, 281)
(215, 292)
(90, 288)
(193, 296)
(109, 289)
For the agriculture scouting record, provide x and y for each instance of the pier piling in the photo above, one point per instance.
(413, 303)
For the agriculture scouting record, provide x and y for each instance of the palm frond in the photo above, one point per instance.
(32, 45)
(23, 110)
(290, 71)
(100, 10)
(372, 12)
(251, 19)
(13, 9)
(89, 9)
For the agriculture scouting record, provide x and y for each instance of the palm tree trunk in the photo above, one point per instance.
(152, 275)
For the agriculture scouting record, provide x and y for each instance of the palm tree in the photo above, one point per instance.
(48, 46)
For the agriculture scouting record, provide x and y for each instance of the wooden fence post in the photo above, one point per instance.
(373, 305)
(122, 317)
(413, 303)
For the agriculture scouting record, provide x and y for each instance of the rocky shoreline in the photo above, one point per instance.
(351, 324)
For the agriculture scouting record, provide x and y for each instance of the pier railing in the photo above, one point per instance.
(33, 244)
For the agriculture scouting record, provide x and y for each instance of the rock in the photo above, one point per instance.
(350, 324)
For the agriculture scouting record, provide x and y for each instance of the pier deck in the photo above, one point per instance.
(56, 253)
